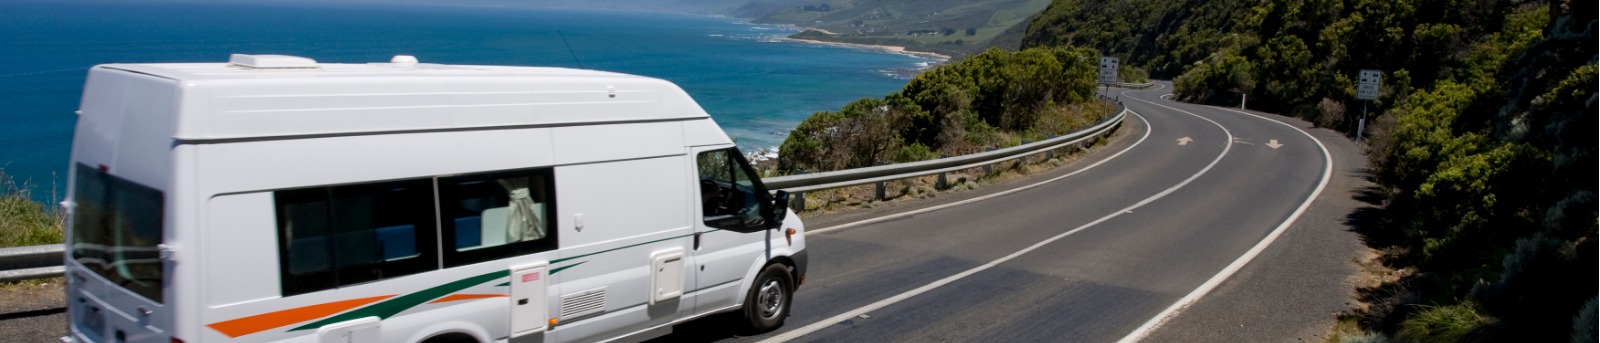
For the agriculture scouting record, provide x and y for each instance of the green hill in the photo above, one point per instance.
(1482, 139)
(952, 27)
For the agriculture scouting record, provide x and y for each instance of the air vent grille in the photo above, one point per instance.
(583, 303)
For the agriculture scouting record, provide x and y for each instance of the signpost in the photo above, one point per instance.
(1108, 71)
(1366, 90)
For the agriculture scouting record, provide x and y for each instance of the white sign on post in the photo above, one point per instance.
(1367, 88)
(1108, 70)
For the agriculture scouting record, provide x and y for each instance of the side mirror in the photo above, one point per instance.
(780, 209)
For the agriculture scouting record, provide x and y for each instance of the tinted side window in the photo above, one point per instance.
(726, 187)
(331, 237)
(497, 215)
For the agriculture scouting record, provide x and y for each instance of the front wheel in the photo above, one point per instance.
(767, 303)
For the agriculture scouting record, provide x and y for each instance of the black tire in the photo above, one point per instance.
(453, 337)
(767, 302)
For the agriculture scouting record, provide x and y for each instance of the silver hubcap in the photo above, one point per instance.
(770, 297)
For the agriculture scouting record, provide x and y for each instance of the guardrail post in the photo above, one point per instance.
(943, 183)
(880, 191)
(797, 201)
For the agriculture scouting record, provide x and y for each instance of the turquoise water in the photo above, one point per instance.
(757, 88)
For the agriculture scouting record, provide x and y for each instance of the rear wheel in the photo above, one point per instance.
(767, 303)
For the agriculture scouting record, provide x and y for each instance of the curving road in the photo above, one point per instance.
(1110, 250)
(1140, 240)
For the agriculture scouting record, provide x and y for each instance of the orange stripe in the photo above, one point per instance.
(460, 297)
(268, 321)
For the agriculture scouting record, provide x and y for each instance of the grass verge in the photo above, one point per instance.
(24, 221)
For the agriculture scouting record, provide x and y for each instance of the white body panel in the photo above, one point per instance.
(228, 146)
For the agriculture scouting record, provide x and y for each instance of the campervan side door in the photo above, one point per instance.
(728, 225)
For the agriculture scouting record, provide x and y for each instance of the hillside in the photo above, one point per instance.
(951, 27)
(1481, 139)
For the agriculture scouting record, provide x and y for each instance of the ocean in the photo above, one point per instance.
(757, 87)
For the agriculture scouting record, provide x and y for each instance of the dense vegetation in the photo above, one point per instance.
(24, 221)
(996, 98)
(1483, 143)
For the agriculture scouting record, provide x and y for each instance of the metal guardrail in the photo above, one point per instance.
(30, 262)
(798, 185)
(1136, 85)
(44, 261)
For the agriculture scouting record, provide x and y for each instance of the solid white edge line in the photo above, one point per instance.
(1216, 280)
(990, 196)
(830, 321)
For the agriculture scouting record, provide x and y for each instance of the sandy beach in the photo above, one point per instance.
(883, 48)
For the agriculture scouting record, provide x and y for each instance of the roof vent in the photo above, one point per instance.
(403, 59)
(271, 62)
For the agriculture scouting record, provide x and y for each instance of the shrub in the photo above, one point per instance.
(24, 221)
(1366, 337)
(1443, 324)
(1583, 325)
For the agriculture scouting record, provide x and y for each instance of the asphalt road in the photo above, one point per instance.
(1113, 249)
(1091, 252)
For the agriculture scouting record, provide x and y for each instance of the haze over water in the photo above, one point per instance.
(757, 89)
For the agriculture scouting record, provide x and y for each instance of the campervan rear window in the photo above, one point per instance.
(116, 229)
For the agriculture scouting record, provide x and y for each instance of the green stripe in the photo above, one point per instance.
(391, 307)
(559, 269)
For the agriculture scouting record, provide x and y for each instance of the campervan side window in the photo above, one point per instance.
(726, 188)
(496, 215)
(337, 236)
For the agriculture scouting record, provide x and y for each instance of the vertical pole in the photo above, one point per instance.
(880, 191)
(943, 183)
(1361, 127)
(797, 201)
(1242, 98)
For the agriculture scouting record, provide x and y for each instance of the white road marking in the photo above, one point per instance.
(831, 321)
(1178, 307)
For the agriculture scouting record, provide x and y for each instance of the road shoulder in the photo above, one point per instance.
(1297, 287)
(32, 311)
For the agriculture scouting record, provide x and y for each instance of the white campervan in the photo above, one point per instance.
(277, 199)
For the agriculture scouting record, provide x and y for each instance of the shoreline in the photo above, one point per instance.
(893, 49)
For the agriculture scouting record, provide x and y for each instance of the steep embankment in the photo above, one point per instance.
(1481, 144)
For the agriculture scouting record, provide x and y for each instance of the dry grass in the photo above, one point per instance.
(1378, 284)
(23, 221)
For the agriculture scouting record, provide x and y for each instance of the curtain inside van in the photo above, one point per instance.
(523, 223)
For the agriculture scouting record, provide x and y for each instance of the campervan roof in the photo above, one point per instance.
(272, 96)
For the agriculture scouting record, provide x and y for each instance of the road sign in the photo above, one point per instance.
(1108, 70)
(1367, 88)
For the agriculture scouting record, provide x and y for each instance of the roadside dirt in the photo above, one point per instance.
(33, 311)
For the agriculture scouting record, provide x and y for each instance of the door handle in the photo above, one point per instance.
(523, 301)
